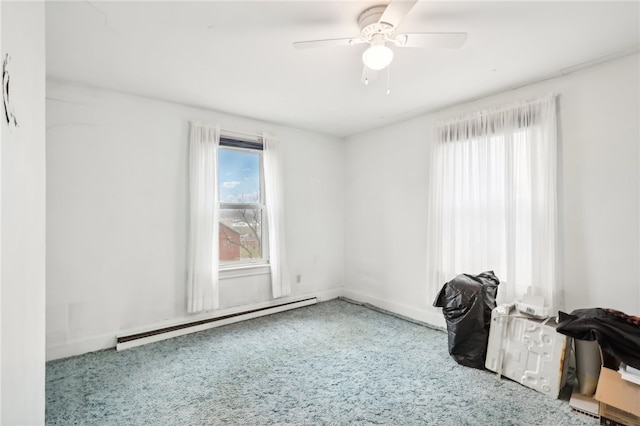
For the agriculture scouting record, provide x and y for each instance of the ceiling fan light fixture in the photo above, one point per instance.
(377, 56)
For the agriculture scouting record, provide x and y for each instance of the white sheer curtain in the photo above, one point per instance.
(280, 282)
(204, 212)
(493, 199)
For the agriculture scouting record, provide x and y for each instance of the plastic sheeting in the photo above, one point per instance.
(616, 332)
(466, 303)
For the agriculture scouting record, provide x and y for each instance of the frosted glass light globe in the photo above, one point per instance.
(377, 57)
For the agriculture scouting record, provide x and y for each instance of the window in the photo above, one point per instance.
(493, 202)
(241, 197)
(235, 185)
(487, 207)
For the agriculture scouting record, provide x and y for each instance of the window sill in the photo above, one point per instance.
(243, 271)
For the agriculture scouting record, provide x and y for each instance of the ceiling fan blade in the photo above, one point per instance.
(327, 42)
(368, 75)
(396, 10)
(432, 40)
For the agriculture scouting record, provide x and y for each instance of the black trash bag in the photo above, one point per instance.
(467, 302)
(616, 332)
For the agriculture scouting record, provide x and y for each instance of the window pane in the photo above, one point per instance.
(240, 235)
(238, 176)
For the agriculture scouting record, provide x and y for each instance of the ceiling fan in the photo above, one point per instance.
(378, 28)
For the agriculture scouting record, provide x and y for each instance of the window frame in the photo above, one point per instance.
(246, 267)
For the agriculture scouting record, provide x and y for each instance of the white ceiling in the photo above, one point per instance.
(237, 56)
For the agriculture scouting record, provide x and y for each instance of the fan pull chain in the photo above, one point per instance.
(388, 85)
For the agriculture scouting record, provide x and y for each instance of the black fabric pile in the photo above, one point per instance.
(616, 332)
(467, 302)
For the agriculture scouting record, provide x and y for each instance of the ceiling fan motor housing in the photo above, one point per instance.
(371, 28)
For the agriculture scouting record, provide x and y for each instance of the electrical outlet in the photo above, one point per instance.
(298, 278)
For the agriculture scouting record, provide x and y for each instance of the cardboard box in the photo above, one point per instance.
(619, 399)
(608, 422)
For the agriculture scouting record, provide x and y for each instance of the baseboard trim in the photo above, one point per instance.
(78, 346)
(431, 318)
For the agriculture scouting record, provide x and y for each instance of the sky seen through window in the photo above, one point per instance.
(238, 176)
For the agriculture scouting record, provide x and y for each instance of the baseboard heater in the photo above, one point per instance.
(143, 338)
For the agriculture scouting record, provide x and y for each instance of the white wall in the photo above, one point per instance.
(386, 187)
(116, 206)
(22, 215)
(117, 218)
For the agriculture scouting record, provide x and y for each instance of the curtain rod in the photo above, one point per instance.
(229, 132)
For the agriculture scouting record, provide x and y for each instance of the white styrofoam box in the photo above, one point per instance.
(527, 350)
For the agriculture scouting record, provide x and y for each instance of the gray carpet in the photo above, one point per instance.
(332, 363)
